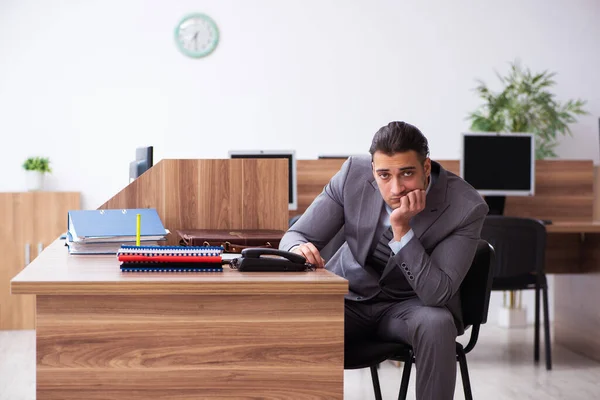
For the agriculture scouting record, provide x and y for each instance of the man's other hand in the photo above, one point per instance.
(310, 252)
(410, 205)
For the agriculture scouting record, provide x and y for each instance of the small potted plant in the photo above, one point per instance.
(526, 104)
(35, 168)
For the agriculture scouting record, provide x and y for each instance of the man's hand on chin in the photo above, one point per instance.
(410, 205)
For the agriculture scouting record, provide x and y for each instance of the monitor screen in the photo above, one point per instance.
(287, 154)
(335, 156)
(143, 162)
(499, 164)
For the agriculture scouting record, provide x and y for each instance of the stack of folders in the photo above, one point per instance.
(170, 259)
(105, 231)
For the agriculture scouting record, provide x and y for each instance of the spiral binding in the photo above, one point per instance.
(123, 246)
(149, 251)
(124, 269)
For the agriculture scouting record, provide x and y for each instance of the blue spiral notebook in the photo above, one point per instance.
(168, 268)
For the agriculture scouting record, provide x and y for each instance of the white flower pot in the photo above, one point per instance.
(35, 180)
(512, 317)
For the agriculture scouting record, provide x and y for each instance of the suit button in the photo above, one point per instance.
(403, 265)
(359, 298)
(412, 278)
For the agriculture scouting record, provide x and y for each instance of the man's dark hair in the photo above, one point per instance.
(398, 137)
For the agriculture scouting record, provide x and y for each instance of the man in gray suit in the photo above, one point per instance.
(410, 231)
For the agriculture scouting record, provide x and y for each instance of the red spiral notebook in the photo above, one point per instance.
(173, 259)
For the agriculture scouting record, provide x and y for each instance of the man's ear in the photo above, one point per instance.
(427, 166)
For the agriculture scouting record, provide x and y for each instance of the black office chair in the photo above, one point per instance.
(475, 298)
(520, 245)
(293, 220)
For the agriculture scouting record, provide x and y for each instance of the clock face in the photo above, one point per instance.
(197, 35)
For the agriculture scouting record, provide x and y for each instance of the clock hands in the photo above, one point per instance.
(195, 39)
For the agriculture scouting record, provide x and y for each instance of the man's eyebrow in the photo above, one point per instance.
(400, 169)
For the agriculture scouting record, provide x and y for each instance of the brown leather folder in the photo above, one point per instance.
(232, 240)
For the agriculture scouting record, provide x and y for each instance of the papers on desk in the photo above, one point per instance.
(105, 231)
(102, 248)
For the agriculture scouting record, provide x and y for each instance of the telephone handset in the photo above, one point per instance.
(270, 260)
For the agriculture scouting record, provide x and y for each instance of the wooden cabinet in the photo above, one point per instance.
(28, 223)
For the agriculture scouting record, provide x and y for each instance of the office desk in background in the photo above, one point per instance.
(106, 334)
(573, 256)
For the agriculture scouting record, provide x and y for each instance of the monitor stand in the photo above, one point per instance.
(496, 204)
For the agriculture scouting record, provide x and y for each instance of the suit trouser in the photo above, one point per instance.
(431, 332)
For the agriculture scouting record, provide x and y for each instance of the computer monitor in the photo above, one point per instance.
(339, 156)
(143, 162)
(333, 156)
(289, 155)
(499, 165)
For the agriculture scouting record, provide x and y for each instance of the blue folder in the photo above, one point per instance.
(114, 225)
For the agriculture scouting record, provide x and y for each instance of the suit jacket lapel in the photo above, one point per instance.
(370, 211)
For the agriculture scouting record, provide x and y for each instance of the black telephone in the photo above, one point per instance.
(252, 261)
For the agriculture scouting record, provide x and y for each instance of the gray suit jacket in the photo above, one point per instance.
(434, 261)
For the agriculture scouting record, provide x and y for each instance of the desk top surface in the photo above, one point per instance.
(574, 227)
(55, 272)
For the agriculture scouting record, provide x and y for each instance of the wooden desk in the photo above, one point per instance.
(573, 254)
(572, 247)
(104, 334)
(573, 227)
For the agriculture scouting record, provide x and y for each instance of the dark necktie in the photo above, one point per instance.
(382, 252)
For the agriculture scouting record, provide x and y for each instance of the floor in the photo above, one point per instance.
(501, 367)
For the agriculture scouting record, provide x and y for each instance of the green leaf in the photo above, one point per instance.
(526, 104)
(41, 164)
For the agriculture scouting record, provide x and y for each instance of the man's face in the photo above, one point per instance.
(398, 174)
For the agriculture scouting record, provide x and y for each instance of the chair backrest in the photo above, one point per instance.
(519, 244)
(476, 287)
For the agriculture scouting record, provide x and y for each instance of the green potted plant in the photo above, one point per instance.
(526, 105)
(35, 168)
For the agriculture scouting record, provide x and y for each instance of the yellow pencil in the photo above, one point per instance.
(139, 227)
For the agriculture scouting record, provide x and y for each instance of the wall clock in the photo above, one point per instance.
(196, 35)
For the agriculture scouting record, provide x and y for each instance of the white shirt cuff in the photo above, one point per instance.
(397, 246)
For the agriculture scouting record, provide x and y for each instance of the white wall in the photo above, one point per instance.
(85, 82)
